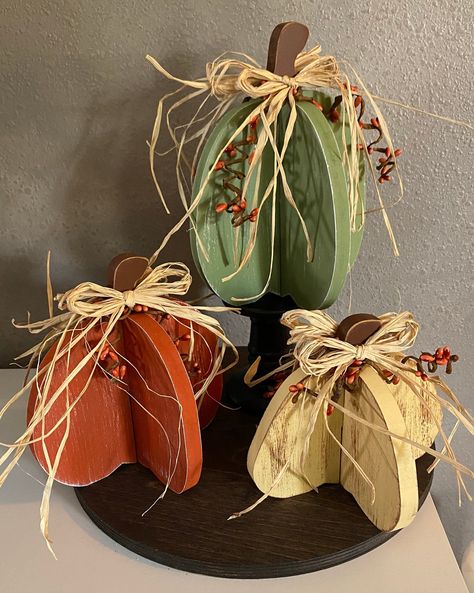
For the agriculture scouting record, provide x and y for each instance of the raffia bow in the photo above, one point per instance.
(323, 356)
(233, 76)
(86, 306)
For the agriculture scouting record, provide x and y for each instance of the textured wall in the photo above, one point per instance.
(76, 105)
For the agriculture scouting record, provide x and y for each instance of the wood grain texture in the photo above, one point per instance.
(190, 532)
(280, 438)
(388, 462)
(165, 420)
(100, 434)
(224, 245)
(204, 349)
(421, 422)
(313, 166)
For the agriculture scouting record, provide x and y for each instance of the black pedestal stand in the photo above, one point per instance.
(268, 339)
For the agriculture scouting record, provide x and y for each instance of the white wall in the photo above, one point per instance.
(77, 102)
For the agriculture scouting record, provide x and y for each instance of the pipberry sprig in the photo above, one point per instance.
(387, 162)
(442, 357)
(235, 154)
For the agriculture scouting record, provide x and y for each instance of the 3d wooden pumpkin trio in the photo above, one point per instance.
(129, 372)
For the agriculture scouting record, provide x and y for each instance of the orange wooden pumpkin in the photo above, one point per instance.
(137, 402)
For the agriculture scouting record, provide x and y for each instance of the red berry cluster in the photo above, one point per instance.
(272, 387)
(298, 388)
(111, 362)
(442, 357)
(236, 154)
(352, 373)
(386, 163)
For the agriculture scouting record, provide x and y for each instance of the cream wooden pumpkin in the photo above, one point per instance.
(275, 455)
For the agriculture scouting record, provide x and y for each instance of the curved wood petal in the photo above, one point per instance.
(165, 420)
(280, 437)
(100, 434)
(205, 343)
(387, 461)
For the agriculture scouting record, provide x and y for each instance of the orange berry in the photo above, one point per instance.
(138, 308)
(357, 101)
(253, 121)
(357, 362)
(351, 379)
(145, 308)
(233, 153)
(396, 380)
(329, 409)
(375, 122)
(251, 139)
(115, 372)
(220, 207)
(122, 372)
(251, 155)
(300, 386)
(229, 148)
(316, 104)
(418, 373)
(293, 389)
(236, 208)
(398, 152)
(113, 356)
(370, 149)
(243, 204)
(334, 115)
(386, 373)
(427, 358)
(104, 353)
(387, 151)
(219, 165)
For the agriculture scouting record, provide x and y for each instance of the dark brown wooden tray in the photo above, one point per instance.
(190, 531)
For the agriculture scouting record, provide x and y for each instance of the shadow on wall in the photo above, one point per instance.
(104, 202)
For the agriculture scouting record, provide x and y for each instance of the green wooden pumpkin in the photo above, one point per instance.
(315, 173)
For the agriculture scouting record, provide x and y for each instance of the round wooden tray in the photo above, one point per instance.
(191, 532)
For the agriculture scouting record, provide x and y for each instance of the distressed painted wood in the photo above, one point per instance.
(388, 462)
(100, 435)
(225, 246)
(280, 437)
(203, 355)
(165, 420)
(340, 133)
(151, 416)
(421, 423)
(313, 165)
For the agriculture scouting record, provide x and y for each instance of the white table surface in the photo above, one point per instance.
(418, 560)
